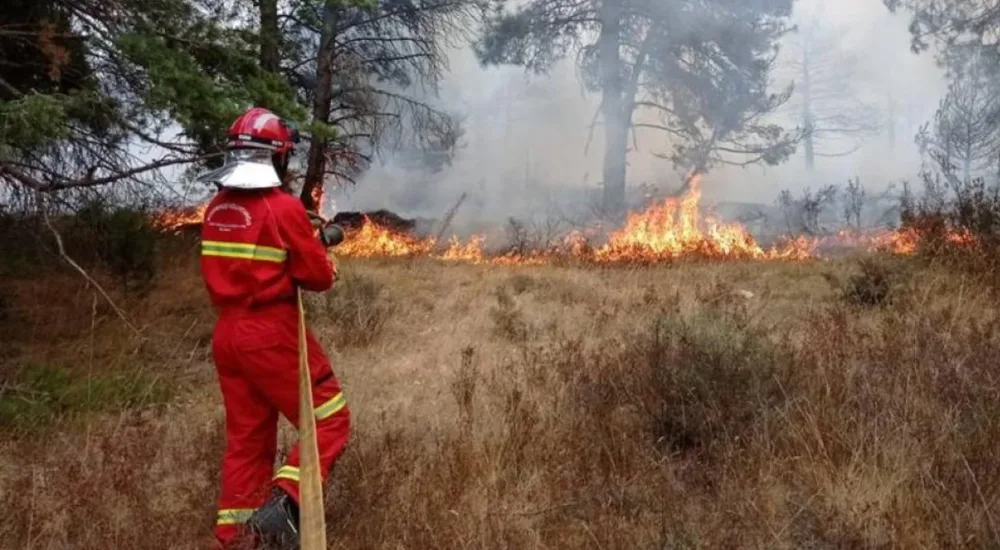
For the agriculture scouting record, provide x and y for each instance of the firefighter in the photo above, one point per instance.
(258, 246)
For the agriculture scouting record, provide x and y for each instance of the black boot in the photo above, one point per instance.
(276, 523)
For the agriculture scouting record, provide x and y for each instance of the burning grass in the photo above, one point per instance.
(675, 228)
(735, 405)
(669, 230)
(672, 229)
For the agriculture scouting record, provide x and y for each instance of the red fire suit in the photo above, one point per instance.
(257, 247)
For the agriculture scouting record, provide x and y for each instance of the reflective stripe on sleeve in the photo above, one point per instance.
(331, 407)
(233, 516)
(243, 251)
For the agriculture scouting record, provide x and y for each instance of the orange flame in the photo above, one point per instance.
(316, 194)
(963, 238)
(903, 241)
(673, 229)
(374, 240)
(173, 220)
(472, 251)
(906, 240)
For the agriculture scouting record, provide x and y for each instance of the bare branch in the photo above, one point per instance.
(62, 252)
(89, 181)
(10, 88)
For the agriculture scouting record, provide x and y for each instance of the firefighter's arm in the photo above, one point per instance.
(308, 264)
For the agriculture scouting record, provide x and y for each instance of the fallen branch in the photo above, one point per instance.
(448, 217)
(83, 272)
(10, 88)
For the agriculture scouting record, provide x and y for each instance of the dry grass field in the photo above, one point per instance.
(698, 405)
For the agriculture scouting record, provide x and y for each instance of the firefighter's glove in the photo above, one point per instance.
(315, 219)
(331, 235)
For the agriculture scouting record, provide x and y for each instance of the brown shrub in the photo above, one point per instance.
(959, 225)
(877, 282)
(508, 318)
(358, 307)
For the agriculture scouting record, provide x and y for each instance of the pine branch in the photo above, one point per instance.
(86, 182)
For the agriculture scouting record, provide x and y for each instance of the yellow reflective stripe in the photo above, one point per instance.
(288, 472)
(243, 247)
(233, 516)
(331, 407)
(242, 250)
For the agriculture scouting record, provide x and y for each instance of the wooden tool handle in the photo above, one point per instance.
(312, 521)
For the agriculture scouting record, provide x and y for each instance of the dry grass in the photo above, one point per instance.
(555, 408)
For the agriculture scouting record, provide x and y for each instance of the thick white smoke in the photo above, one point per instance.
(525, 150)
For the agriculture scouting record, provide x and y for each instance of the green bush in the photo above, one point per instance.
(43, 393)
(19, 251)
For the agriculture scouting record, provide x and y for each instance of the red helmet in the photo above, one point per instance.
(260, 128)
(258, 151)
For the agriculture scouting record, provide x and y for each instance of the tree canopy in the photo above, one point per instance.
(698, 71)
(95, 92)
(965, 38)
(836, 118)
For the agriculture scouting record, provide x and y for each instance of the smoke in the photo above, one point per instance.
(524, 152)
(905, 87)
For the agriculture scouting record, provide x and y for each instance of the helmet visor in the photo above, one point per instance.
(251, 155)
(246, 168)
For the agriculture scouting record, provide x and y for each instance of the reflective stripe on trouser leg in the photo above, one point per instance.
(332, 431)
(251, 426)
(288, 472)
(331, 407)
(234, 516)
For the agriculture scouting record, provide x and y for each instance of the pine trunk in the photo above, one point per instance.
(616, 124)
(316, 167)
(807, 114)
(270, 36)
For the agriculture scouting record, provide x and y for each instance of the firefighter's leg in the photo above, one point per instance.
(280, 384)
(251, 445)
(333, 426)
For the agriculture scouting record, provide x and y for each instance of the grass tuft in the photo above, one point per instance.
(358, 308)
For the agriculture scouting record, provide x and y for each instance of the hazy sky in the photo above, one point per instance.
(513, 138)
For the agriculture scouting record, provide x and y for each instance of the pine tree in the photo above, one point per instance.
(700, 70)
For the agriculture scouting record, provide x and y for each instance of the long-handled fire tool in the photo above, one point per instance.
(312, 522)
